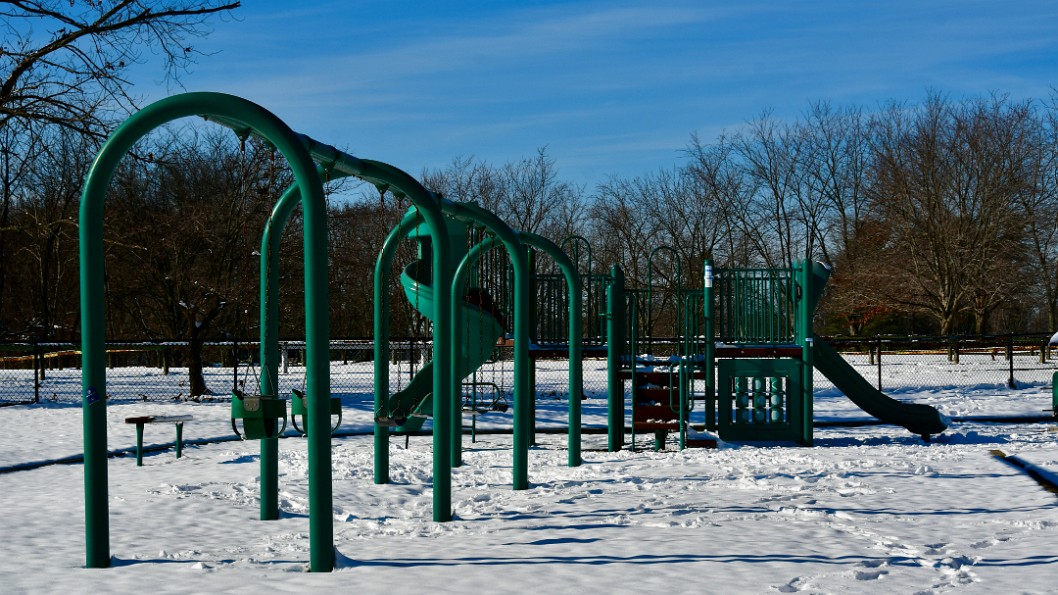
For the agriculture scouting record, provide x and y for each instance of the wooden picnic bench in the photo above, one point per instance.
(142, 420)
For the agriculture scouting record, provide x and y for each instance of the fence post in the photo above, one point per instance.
(1010, 359)
(36, 372)
(878, 339)
(234, 366)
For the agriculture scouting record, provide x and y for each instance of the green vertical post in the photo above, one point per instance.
(1054, 395)
(139, 444)
(806, 338)
(444, 363)
(382, 280)
(683, 401)
(709, 347)
(454, 448)
(530, 259)
(268, 382)
(93, 350)
(457, 240)
(179, 439)
(615, 339)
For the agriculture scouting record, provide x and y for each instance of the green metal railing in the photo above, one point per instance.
(755, 306)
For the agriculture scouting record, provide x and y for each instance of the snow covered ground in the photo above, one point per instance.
(868, 509)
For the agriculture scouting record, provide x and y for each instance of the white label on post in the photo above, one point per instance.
(708, 275)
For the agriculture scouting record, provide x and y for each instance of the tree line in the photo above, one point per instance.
(936, 217)
(939, 216)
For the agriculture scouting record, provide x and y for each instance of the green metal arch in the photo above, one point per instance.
(245, 118)
(576, 375)
(470, 213)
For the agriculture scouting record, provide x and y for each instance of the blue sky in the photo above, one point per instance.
(611, 88)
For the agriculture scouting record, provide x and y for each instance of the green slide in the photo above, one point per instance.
(919, 419)
(480, 328)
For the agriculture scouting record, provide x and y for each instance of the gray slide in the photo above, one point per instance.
(920, 419)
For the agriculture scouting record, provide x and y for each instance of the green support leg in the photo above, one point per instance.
(139, 444)
(1054, 395)
(179, 439)
(615, 347)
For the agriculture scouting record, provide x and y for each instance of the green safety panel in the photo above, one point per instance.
(760, 400)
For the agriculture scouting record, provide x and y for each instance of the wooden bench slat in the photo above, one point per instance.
(156, 419)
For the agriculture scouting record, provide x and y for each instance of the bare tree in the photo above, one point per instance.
(946, 183)
(1039, 202)
(836, 158)
(622, 230)
(49, 222)
(780, 211)
(65, 62)
(466, 180)
(192, 220)
(719, 183)
(21, 148)
(528, 194)
(533, 197)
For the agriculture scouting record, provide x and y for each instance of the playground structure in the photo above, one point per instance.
(744, 362)
(307, 159)
(262, 413)
(754, 385)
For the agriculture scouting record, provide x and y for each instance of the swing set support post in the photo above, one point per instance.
(531, 290)
(268, 383)
(269, 312)
(381, 328)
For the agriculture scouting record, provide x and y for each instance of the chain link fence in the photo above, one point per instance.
(33, 372)
(891, 362)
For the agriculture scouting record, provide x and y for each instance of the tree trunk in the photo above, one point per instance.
(946, 323)
(196, 379)
(980, 323)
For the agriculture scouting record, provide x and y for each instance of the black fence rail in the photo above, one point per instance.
(34, 372)
(1013, 360)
